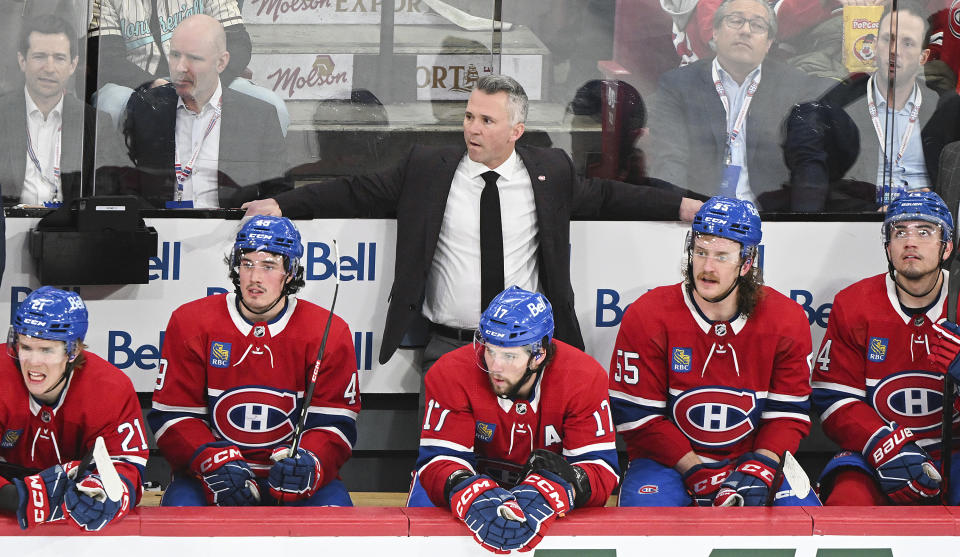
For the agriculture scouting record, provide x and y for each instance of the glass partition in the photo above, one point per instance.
(777, 102)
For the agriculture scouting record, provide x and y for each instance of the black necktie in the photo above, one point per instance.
(491, 241)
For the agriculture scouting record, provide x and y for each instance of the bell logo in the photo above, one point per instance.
(537, 308)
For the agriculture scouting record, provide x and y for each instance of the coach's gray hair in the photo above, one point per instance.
(771, 16)
(517, 102)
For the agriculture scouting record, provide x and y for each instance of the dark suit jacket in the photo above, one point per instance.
(416, 192)
(834, 139)
(13, 144)
(251, 147)
(689, 131)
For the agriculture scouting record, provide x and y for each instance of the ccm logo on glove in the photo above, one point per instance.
(38, 493)
(228, 454)
(757, 470)
(546, 488)
(468, 495)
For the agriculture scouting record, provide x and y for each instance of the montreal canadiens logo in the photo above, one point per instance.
(715, 416)
(255, 416)
(913, 399)
(955, 18)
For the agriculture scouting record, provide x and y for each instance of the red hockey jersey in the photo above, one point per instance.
(874, 367)
(98, 400)
(222, 378)
(466, 426)
(679, 382)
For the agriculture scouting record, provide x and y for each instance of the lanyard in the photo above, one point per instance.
(184, 172)
(738, 123)
(872, 107)
(31, 152)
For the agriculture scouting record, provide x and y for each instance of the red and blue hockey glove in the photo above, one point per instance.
(41, 495)
(89, 506)
(946, 349)
(294, 478)
(544, 497)
(750, 482)
(226, 478)
(704, 480)
(904, 470)
(488, 510)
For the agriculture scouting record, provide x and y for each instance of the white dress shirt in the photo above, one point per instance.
(201, 186)
(453, 282)
(44, 134)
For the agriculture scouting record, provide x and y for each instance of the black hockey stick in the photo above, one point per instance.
(950, 189)
(312, 381)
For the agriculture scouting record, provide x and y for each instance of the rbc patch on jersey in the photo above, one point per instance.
(485, 431)
(220, 354)
(10, 438)
(877, 349)
(680, 359)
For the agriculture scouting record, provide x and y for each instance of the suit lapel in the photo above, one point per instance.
(18, 155)
(436, 198)
(709, 98)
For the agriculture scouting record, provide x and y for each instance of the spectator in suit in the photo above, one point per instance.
(196, 143)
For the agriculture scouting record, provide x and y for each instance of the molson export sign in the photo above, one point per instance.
(452, 77)
(304, 76)
(335, 11)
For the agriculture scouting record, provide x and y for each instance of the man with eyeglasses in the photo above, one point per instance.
(231, 384)
(709, 378)
(715, 126)
(903, 124)
(875, 382)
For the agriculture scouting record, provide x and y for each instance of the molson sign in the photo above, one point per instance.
(335, 11)
(304, 76)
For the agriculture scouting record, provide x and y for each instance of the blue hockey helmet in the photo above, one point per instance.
(919, 205)
(517, 317)
(270, 234)
(51, 314)
(733, 219)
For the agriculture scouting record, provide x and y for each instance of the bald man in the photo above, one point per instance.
(196, 143)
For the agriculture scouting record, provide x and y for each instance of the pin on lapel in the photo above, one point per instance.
(542, 178)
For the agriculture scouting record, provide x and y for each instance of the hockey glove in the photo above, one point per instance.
(294, 478)
(704, 480)
(489, 511)
(544, 497)
(542, 460)
(227, 479)
(946, 348)
(904, 470)
(89, 506)
(750, 482)
(41, 495)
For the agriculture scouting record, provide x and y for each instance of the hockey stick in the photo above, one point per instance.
(312, 383)
(10, 471)
(112, 485)
(950, 189)
(462, 19)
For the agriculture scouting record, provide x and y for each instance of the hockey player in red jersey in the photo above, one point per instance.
(709, 378)
(232, 380)
(517, 428)
(56, 399)
(875, 382)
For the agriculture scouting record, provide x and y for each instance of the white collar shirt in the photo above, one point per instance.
(453, 281)
(737, 94)
(43, 184)
(191, 133)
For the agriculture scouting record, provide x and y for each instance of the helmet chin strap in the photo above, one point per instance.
(893, 274)
(512, 393)
(282, 296)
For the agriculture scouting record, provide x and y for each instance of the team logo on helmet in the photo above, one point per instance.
(912, 399)
(485, 431)
(10, 438)
(254, 416)
(220, 354)
(715, 416)
(877, 349)
(681, 359)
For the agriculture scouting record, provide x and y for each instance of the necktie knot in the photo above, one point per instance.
(490, 178)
